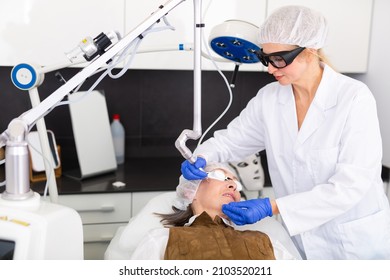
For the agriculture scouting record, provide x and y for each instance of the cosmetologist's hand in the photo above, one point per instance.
(249, 211)
(192, 171)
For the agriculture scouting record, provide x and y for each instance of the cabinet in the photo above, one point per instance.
(101, 214)
(182, 18)
(46, 29)
(40, 31)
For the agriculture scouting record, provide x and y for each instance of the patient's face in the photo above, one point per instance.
(212, 194)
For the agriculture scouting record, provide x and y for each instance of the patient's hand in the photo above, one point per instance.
(249, 211)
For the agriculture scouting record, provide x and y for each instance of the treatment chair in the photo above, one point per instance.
(251, 175)
(128, 237)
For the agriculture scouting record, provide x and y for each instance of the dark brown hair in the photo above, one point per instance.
(177, 218)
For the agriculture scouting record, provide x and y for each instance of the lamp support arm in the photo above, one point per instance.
(197, 127)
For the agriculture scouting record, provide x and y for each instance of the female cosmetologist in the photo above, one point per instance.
(321, 135)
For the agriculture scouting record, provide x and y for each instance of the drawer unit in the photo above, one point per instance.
(97, 238)
(100, 208)
(102, 214)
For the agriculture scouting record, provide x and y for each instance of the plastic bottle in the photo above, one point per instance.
(118, 137)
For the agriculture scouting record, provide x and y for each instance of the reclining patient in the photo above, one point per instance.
(198, 230)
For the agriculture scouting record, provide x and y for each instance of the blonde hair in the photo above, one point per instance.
(321, 56)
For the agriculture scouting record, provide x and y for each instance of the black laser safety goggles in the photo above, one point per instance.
(279, 59)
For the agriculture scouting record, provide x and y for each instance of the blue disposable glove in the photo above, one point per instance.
(192, 171)
(249, 211)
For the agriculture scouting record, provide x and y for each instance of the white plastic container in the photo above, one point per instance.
(118, 137)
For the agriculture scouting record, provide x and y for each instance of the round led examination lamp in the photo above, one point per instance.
(234, 40)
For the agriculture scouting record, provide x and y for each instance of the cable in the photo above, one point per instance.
(227, 85)
(118, 59)
(51, 173)
(107, 70)
(209, 56)
(2, 162)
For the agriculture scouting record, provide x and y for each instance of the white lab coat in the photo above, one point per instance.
(326, 176)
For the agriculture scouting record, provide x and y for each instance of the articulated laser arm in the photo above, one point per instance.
(16, 132)
(32, 115)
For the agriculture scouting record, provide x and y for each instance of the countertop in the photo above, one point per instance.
(139, 175)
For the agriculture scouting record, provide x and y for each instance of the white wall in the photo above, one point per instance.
(378, 74)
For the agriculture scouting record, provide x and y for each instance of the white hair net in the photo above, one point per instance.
(295, 25)
(186, 190)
